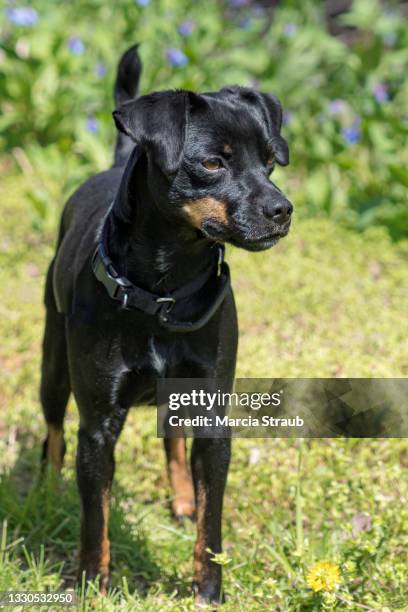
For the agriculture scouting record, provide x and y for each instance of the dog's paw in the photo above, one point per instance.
(92, 576)
(207, 597)
(183, 509)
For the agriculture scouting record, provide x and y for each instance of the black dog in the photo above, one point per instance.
(136, 290)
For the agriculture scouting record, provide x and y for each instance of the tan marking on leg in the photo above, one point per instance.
(200, 545)
(198, 211)
(105, 544)
(180, 479)
(55, 447)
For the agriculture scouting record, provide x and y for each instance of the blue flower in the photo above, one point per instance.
(352, 133)
(100, 70)
(337, 107)
(22, 16)
(290, 29)
(186, 28)
(176, 58)
(142, 2)
(92, 125)
(380, 92)
(76, 45)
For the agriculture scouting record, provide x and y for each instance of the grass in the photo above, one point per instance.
(325, 302)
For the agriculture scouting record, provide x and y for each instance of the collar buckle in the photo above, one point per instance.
(167, 305)
(125, 298)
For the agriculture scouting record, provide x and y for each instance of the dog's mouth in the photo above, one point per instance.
(248, 242)
(259, 244)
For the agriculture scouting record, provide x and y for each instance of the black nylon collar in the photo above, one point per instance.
(132, 297)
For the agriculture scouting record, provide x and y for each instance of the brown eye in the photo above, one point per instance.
(270, 161)
(212, 164)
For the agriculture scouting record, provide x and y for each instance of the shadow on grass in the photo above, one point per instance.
(47, 513)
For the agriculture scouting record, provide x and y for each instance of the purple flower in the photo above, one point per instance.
(352, 133)
(238, 3)
(22, 16)
(287, 117)
(76, 45)
(142, 2)
(380, 92)
(290, 29)
(100, 70)
(176, 57)
(92, 125)
(337, 107)
(186, 28)
(245, 23)
(258, 12)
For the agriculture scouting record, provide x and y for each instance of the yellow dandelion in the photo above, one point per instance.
(323, 576)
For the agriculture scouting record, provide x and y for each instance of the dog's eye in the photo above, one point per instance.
(270, 162)
(212, 164)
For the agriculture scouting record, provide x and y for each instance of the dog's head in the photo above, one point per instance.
(214, 153)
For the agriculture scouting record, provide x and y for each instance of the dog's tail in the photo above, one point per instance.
(126, 88)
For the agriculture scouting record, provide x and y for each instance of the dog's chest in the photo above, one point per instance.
(157, 357)
(134, 382)
(135, 379)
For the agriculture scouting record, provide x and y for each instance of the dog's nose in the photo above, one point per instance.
(278, 211)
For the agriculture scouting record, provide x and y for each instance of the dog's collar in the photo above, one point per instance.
(132, 297)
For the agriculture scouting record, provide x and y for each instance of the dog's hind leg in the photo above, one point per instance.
(183, 504)
(55, 383)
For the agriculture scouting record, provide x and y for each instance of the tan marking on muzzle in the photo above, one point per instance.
(55, 447)
(203, 209)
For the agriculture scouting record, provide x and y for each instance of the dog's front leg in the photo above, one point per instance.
(95, 469)
(209, 463)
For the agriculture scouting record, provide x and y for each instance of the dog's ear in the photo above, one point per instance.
(273, 113)
(157, 122)
(269, 110)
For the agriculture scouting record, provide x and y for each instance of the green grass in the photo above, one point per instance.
(325, 302)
